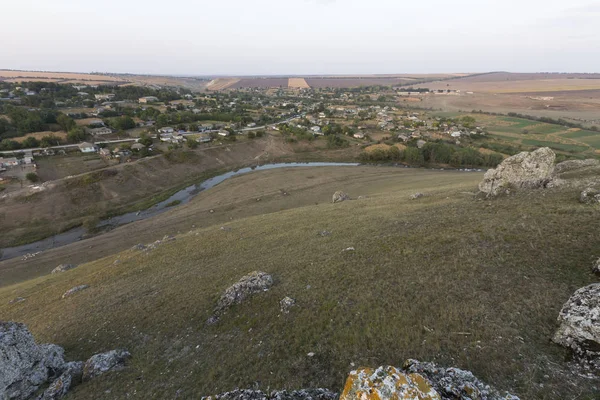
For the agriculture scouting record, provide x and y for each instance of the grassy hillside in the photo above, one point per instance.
(449, 277)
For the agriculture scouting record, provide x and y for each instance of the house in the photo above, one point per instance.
(456, 134)
(316, 129)
(137, 146)
(203, 138)
(100, 131)
(251, 125)
(166, 129)
(166, 137)
(223, 133)
(86, 147)
(148, 99)
(403, 137)
(359, 135)
(104, 152)
(107, 96)
(9, 162)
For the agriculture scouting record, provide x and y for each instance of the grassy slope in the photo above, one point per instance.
(423, 272)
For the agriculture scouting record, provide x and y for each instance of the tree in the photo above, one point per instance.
(191, 143)
(32, 177)
(145, 140)
(30, 142)
(76, 135)
(66, 123)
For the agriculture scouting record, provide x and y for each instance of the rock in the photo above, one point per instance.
(25, 366)
(324, 233)
(416, 196)
(286, 304)
(248, 394)
(68, 379)
(248, 285)
(311, 354)
(590, 196)
(571, 165)
(579, 328)
(102, 363)
(63, 268)
(348, 249)
(454, 383)
(524, 170)
(74, 290)
(595, 268)
(17, 300)
(387, 383)
(339, 196)
(139, 246)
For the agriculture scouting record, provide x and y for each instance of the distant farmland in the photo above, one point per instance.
(348, 82)
(58, 77)
(298, 83)
(263, 83)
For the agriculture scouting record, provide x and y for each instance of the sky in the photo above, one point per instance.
(300, 37)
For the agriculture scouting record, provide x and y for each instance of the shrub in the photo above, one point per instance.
(32, 177)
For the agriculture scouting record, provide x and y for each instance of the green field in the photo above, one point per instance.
(448, 277)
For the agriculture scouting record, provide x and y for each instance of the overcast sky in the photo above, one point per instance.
(260, 37)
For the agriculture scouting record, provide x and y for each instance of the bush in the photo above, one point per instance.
(32, 177)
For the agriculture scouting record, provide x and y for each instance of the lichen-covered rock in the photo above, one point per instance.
(25, 365)
(415, 196)
(579, 328)
(63, 268)
(590, 196)
(74, 290)
(523, 170)
(387, 383)
(99, 364)
(454, 383)
(248, 394)
(248, 285)
(339, 196)
(68, 379)
(286, 304)
(571, 165)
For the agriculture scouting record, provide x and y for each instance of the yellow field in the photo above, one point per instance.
(40, 135)
(221, 83)
(71, 77)
(520, 86)
(298, 83)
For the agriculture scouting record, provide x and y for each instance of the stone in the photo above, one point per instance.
(596, 267)
(24, 365)
(521, 171)
(63, 268)
(387, 383)
(17, 300)
(571, 165)
(324, 233)
(455, 383)
(139, 246)
(416, 196)
(74, 290)
(339, 196)
(286, 304)
(68, 379)
(254, 282)
(579, 328)
(303, 394)
(590, 196)
(102, 363)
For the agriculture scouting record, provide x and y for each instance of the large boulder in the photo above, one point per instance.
(523, 170)
(455, 383)
(387, 383)
(24, 365)
(339, 196)
(99, 364)
(579, 328)
(571, 165)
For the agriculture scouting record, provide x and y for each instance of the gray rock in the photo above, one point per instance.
(339, 196)
(63, 268)
(596, 267)
(286, 304)
(324, 233)
(24, 365)
(139, 246)
(68, 379)
(304, 394)
(416, 196)
(454, 383)
(571, 165)
(102, 363)
(74, 290)
(590, 196)
(254, 282)
(17, 300)
(521, 171)
(579, 328)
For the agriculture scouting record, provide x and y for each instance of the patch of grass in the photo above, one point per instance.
(422, 272)
(570, 148)
(173, 203)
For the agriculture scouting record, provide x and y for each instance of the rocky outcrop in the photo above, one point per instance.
(99, 364)
(26, 367)
(254, 282)
(247, 394)
(571, 165)
(339, 196)
(579, 328)
(387, 383)
(74, 290)
(286, 304)
(521, 171)
(590, 196)
(455, 383)
(63, 268)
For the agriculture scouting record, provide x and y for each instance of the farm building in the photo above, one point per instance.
(100, 131)
(86, 147)
(203, 138)
(166, 129)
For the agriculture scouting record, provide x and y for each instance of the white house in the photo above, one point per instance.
(359, 135)
(166, 129)
(316, 129)
(203, 138)
(107, 96)
(223, 133)
(86, 147)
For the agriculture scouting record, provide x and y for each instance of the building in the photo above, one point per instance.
(223, 133)
(137, 146)
(166, 129)
(359, 135)
(104, 152)
(9, 162)
(100, 131)
(107, 96)
(203, 138)
(87, 147)
(148, 99)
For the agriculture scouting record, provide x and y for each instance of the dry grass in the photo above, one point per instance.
(421, 272)
(298, 83)
(40, 135)
(221, 83)
(27, 76)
